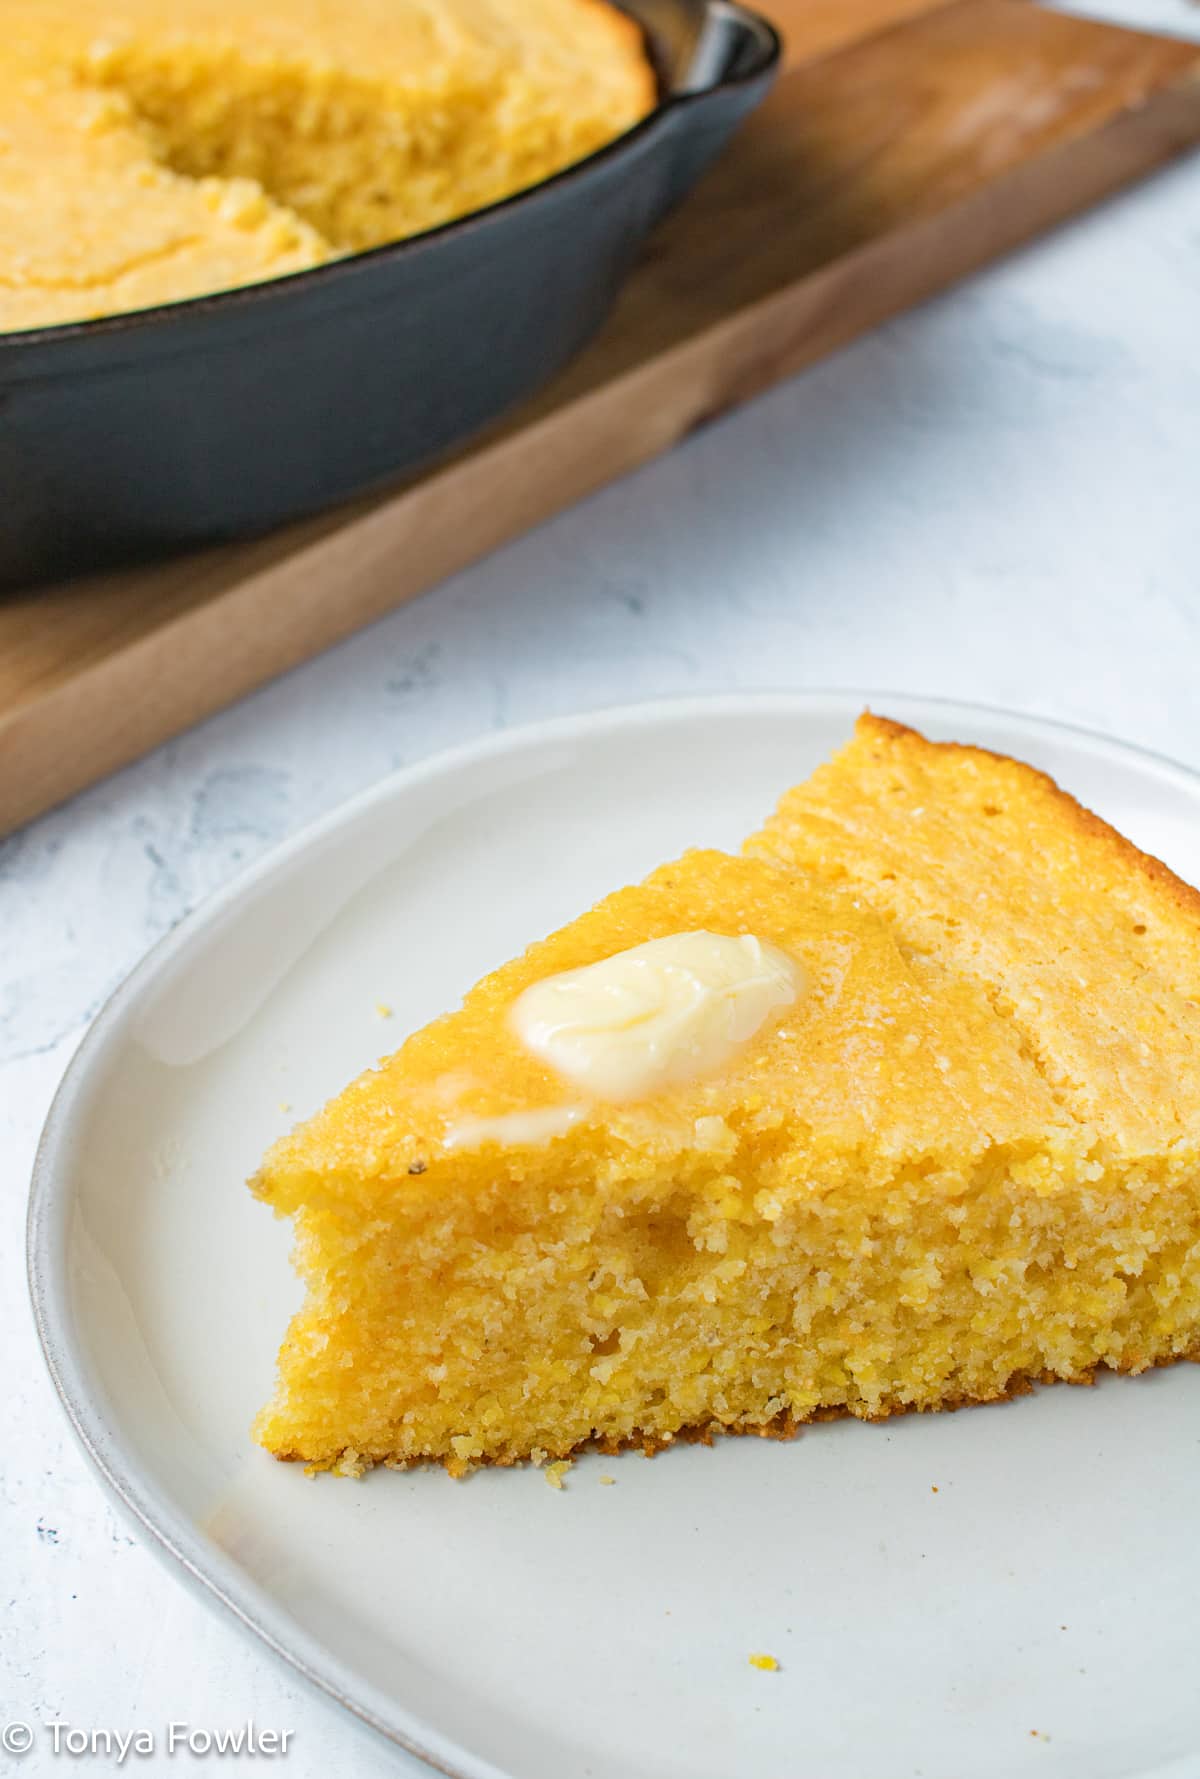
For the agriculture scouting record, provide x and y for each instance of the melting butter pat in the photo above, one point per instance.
(669, 1011)
(513, 1127)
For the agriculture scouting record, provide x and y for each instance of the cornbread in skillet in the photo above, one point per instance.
(150, 152)
(965, 1155)
(89, 223)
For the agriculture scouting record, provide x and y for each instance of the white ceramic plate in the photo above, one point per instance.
(1052, 1582)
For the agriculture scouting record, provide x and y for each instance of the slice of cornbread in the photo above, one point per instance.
(888, 1197)
(152, 152)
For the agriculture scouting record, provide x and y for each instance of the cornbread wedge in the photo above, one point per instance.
(955, 1150)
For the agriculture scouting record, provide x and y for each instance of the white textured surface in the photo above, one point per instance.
(1181, 17)
(994, 498)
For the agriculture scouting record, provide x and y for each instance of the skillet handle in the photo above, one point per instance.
(734, 62)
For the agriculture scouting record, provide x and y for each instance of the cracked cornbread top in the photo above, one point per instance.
(1086, 949)
(986, 964)
(150, 153)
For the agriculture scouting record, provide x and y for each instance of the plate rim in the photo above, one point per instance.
(172, 1534)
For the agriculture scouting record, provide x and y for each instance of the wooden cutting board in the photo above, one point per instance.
(906, 142)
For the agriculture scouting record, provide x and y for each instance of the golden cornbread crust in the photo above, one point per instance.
(152, 153)
(889, 733)
(967, 1159)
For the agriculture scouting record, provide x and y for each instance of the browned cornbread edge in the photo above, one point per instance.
(637, 42)
(788, 1426)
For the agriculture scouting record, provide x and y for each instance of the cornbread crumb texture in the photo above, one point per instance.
(91, 223)
(151, 153)
(968, 1155)
(767, 1663)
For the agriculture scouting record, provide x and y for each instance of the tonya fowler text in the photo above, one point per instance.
(175, 1739)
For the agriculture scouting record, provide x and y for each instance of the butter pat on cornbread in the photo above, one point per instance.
(962, 1154)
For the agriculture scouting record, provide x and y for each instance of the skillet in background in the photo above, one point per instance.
(224, 415)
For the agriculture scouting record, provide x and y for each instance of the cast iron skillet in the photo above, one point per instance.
(227, 414)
